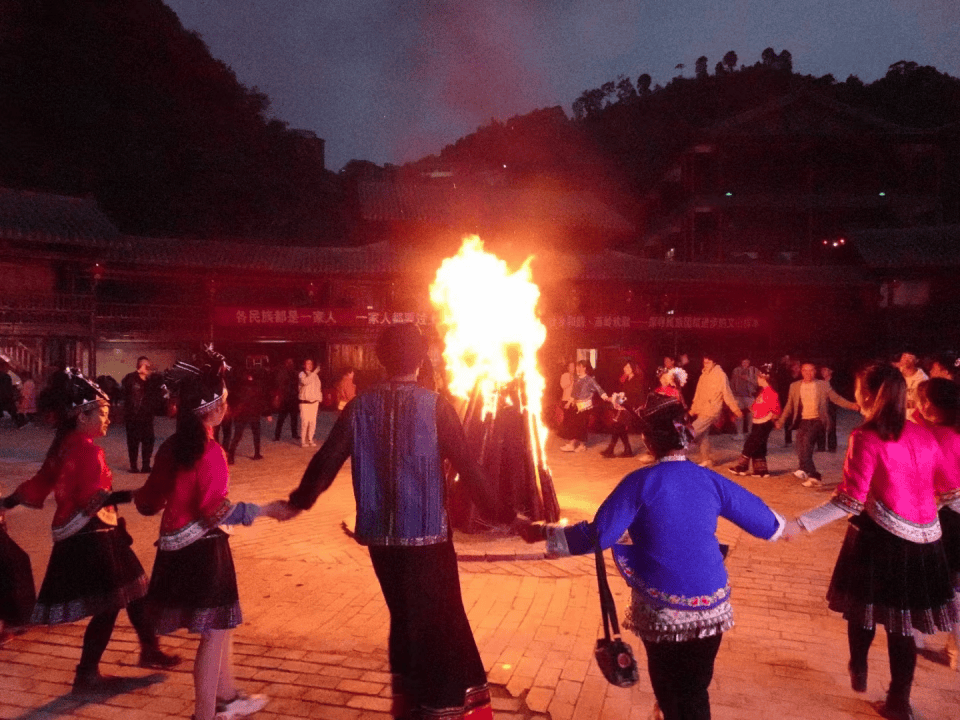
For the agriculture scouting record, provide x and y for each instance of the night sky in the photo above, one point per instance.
(391, 81)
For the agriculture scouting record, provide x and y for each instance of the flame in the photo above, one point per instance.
(488, 320)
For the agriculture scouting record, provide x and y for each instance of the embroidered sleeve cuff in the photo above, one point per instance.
(847, 503)
(781, 524)
(950, 498)
(242, 514)
(955, 505)
(556, 541)
(823, 515)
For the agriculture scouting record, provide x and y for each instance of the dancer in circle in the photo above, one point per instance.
(680, 590)
(194, 584)
(892, 568)
(764, 411)
(93, 572)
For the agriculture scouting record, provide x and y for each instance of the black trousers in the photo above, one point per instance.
(238, 428)
(140, 433)
(755, 446)
(431, 644)
(226, 428)
(680, 673)
(293, 411)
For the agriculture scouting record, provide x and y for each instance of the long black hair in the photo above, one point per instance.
(189, 440)
(886, 385)
(944, 395)
(665, 425)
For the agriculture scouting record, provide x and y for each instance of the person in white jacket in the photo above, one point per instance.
(713, 391)
(311, 392)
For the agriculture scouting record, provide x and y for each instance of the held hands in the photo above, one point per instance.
(280, 510)
(791, 531)
(530, 531)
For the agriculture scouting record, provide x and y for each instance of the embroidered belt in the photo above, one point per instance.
(920, 533)
(179, 539)
(583, 405)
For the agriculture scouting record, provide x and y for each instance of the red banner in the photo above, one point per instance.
(653, 322)
(313, 317)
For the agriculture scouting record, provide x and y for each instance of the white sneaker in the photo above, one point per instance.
(800, 474)
(581, 448)
(312, 444)
(813, 483)
(569, 447)
(241, 706)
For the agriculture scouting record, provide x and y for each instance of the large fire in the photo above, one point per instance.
(488, 320)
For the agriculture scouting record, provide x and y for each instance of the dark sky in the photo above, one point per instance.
(395, 80)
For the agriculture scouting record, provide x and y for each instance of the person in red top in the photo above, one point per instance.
(93, 572)
(194, 584)
(765, 410)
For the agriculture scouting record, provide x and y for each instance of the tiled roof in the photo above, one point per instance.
(53, 218)
(457, 204)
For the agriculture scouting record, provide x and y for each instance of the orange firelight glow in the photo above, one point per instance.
(488, 320)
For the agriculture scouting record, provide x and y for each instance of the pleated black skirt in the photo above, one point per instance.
(882, 579)
(195, 587)
(89, 573)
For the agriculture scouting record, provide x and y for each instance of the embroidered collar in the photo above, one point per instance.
(672, 458)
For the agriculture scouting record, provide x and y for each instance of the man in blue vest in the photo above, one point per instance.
(399, 435)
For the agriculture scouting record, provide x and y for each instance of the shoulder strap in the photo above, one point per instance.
(608, 608)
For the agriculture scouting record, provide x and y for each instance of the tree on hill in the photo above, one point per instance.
(117, 100)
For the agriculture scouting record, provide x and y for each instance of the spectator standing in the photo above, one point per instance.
(788, 371)
(828, 439)
(346, 388)
(8, 397)
(945, 366)
(139, 406)
(286, 398)
(400, 486)
(310, 395)
(907, 363)
(248, 404)
(27, 405)
(743, 382)
(712, 393)
(806, 411)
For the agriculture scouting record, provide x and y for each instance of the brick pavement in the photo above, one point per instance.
(314, 636)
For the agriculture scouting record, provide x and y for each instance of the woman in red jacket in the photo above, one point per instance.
(93, 572)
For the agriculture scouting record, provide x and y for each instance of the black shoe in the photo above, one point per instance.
(608, 453)
(894, 710)
(89, 683)
(133, 469)
(157, 659)
(230, 459)
(858, 679)
(146, 469)
(258, 456)
(627, 454)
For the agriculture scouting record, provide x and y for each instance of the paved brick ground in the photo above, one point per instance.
(314, 637)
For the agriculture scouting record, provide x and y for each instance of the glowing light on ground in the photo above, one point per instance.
(488, 320)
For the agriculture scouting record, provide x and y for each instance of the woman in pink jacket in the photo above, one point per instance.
(194, 584)
(892, 569)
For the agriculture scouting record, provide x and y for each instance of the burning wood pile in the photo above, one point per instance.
(488, 321)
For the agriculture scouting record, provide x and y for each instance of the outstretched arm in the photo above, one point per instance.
(325, 465)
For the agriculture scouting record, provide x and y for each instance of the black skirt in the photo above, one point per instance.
(17, 592)
(881, 579)
(195, 587)
(950, 522)
(91, 572)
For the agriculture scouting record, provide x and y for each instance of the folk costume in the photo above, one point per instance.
(581, 395)
(892, 569)
(398, 435)
(673, 563)
(194, 583)
(764, 411)
(92, 570)
(626, 403)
